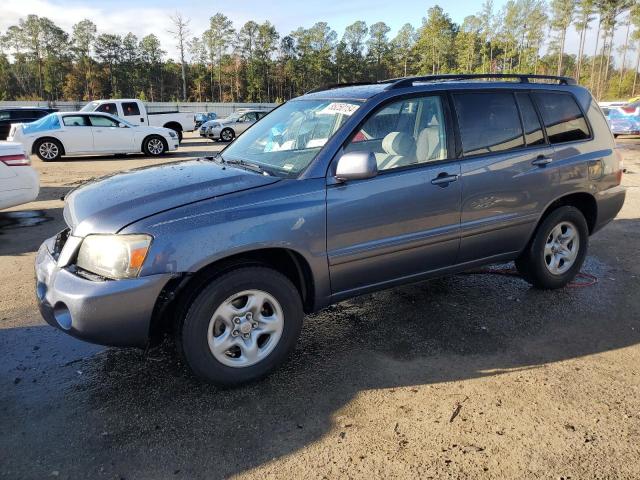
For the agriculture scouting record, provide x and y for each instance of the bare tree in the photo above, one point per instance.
(181, 33)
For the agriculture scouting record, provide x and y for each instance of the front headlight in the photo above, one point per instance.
(114, 256)
(172, 134)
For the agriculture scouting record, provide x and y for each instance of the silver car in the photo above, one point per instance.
(227, 129)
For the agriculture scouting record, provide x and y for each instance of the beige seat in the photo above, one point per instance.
(399, 148)
(429, 147)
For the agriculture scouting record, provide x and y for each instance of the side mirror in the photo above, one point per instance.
(122, 125)
(356, 166)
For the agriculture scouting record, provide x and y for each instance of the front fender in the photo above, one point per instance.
(289, 214)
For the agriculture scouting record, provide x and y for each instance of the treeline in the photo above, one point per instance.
(255, 63)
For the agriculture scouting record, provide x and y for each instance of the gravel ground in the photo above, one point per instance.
(469, 376)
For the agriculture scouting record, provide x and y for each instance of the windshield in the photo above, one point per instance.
(288, 139)
(90, 107)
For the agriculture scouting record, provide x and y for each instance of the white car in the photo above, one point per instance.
(80, 133)
(18, 180)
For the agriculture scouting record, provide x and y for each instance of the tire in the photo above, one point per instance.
(48, 150)
(551, 260)
(227, 135)
(616, 135)
(179, 133)
(220, 314)
(154, 146)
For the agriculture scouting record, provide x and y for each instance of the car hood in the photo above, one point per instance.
(111, 203)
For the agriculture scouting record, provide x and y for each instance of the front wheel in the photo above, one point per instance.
(154, 146)
(241, 326)
(555, 254)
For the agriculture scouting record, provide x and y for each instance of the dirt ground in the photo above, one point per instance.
(469, 376)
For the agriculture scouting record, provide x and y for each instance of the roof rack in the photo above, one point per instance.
(333, 86)
(522, 78)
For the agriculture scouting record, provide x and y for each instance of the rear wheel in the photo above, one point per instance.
(227, 135)
(154, 146)
(241, 326)
(556, 253)
(48, 150)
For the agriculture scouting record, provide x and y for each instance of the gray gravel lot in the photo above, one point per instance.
(469, 376)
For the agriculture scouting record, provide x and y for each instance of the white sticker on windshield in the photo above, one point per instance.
(338, 107)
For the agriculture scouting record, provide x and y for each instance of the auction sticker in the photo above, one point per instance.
(339, 107)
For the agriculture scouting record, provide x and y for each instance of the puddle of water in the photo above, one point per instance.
(28, 218)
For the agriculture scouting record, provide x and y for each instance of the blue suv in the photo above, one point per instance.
(340, 192)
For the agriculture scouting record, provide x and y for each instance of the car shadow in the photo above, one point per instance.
(125, 404)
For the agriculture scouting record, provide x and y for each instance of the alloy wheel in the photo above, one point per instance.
(245, 328)
(561, 248)
(48, 150)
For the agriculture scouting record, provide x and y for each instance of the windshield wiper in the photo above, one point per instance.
(247, 165)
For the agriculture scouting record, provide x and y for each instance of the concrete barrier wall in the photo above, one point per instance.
(221, 109)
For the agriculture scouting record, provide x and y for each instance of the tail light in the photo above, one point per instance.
(618, 156)
(628, 109)
(19, 160)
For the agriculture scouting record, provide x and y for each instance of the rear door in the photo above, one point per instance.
(76, 134)
(503, 171)
(405, 221)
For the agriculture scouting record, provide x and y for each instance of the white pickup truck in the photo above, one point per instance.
(135, 111)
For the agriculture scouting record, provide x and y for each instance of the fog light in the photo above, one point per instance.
(62, 315)
(41, 290)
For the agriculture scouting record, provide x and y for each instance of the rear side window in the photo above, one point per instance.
(108, 108)
(532, 129)
(130, 109)
(489, 122)
(562, 117)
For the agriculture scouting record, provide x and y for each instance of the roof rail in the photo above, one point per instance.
(521, 77)
(333, 86)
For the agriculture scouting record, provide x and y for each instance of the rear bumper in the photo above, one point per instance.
(26, 186)
(609, 203)
(108, 312)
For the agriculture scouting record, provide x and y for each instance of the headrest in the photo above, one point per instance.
(398, 143)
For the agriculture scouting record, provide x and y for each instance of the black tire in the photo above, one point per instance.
(616, 135)
(48, 149)
(179, 133)
(154, 146)
(192, 334)
(532, 264)
(227, 135)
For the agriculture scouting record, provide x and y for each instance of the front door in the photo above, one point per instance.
(109, 136)
(405, 221)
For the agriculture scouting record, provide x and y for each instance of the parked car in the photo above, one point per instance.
(203, 117)
(81, 133)
(18, 180)
(20, 115)
(623, 124)
(135, 112)
(337, 193)
(227, 129)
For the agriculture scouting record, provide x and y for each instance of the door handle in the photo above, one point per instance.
(542, 160)
(98, 131)
(444, 179)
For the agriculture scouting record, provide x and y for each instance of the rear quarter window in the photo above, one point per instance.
(562, 117)
(489, 122)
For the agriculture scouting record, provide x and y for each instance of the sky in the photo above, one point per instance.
(152, 16)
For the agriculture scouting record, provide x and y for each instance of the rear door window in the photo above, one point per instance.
(562, 117)
(532, 128)
(75, 121)
(130, 109)
(489, 122)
